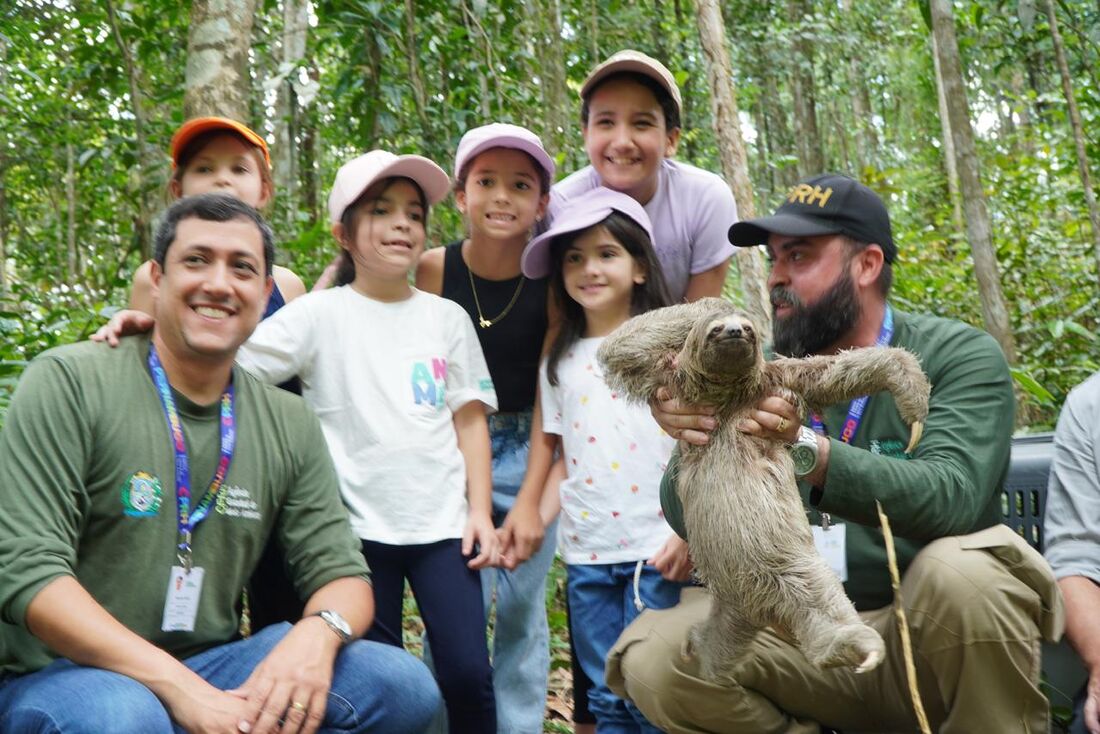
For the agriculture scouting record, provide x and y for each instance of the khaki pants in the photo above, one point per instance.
(977, 606)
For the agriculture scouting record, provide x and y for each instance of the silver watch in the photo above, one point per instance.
(803, 452)
(336, 623)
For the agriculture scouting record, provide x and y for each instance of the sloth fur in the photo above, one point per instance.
(746, 526)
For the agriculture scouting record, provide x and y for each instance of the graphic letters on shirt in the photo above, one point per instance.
(429, 383)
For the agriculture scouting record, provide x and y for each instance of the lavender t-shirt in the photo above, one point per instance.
(691, 214)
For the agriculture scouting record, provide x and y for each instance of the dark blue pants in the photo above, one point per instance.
(449, 597)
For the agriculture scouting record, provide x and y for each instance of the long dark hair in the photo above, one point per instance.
(651, 294)
(345, 271)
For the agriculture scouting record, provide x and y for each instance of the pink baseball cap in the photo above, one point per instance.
(357, 175)
(629, 60)
(576, 214)
(501, 135)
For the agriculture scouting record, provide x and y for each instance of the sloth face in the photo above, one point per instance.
(729, 343)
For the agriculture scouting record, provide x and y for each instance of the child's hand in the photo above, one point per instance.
(673, 559)
(480, 530)
(124, 323)
(521, 535)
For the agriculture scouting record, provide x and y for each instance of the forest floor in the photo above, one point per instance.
(559, 696)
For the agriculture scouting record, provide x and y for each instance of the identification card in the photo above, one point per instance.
(832, 547)
(181, 606)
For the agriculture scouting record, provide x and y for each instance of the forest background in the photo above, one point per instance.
(976, 121)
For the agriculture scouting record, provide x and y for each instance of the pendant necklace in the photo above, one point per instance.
(483, 322)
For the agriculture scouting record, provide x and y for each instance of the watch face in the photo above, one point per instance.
(804, 459)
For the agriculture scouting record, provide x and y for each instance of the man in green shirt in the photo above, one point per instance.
(978, 598)
(122, 561)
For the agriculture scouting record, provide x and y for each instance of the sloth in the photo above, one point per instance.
(746, 525)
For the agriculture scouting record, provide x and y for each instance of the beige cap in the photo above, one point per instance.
(629, 60)
(356, 176)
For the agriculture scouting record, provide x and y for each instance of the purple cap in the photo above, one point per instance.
(576, 214)
(501, 135)
(357, 175)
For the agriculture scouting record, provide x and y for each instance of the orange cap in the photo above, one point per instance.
(189, 130)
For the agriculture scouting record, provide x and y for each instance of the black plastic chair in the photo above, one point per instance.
(1024, 495)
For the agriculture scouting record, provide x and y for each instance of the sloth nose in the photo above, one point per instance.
(733, 330)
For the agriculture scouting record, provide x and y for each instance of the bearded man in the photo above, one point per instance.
(978, 598)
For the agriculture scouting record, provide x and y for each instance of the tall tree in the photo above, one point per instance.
(978, 228)
(293, 50)
(731, 151)
(948, 145)
(811, 157)
(1078, 133)
(218, 42)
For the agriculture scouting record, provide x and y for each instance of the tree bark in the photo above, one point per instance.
(287, 120)
(866, 139)
(811, 158)
(978, 227)
(546, 15)
(1078, 132)
(217, 74)
(420, 94)
(731, 150)
(146, 163)
(948, 147)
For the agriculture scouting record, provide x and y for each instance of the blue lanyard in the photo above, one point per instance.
(187, 520)
(855, 410)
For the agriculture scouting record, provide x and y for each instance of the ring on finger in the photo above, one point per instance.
(297, 706)
(783, 423)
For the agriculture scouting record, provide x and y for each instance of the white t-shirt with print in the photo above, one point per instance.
(615, 455)
(385, 380)
(691, 214)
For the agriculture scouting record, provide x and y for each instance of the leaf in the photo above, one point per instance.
(1032, 387)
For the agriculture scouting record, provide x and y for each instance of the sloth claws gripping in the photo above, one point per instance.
(915, 432)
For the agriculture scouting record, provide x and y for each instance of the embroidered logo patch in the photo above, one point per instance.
(141, 495)
(889, 447)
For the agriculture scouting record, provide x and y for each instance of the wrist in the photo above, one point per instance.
(328, 625)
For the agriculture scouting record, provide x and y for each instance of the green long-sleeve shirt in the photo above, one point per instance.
(951, 483)
(87, 489)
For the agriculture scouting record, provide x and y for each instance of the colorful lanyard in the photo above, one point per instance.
(187, 521)
(855, 410)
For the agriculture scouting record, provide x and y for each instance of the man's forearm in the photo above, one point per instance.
(74, 625)
(1082, 597)
(351, 597)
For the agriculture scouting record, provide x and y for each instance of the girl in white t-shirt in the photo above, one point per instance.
(612, 533)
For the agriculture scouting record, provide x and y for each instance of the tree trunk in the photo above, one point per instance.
(780, 140)
(948, 146)
(1078, 133)
(420, 94)
(287, 120)
(72, 259)
(860, 100)
(731, 150)
(217, 74)
(978, 228)
(811, 158)
(546, 16)
(147, 159)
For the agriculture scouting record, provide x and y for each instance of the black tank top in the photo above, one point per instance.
(512, 345)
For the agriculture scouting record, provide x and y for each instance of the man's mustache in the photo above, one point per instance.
(783, 296)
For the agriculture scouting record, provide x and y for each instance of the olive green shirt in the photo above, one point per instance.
(951, 483)
(87, 489)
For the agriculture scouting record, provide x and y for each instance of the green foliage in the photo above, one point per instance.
(415, 82)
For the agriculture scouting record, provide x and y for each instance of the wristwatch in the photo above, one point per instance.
(336, 623)
(803, 452)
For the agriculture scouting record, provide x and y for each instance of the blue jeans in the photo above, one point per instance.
(601, 603)
(521, 637)
(375, 688)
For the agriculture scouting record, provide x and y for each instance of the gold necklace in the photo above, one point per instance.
(483, 322)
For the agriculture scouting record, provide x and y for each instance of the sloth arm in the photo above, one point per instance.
(947, 485)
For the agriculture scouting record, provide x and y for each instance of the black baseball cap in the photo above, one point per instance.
(826, 204)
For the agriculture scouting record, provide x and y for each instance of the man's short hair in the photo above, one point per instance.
(886, 275)
(210, 208)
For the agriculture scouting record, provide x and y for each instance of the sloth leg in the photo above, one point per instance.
(720, 639)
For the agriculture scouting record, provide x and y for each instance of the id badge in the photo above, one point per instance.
(181, 605)
(832, 546)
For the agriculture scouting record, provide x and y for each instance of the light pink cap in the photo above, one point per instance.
(577, 214)
(501, 135)
(630, 60)
(357, 175)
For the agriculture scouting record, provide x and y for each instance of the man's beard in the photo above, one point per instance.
(810, 329)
